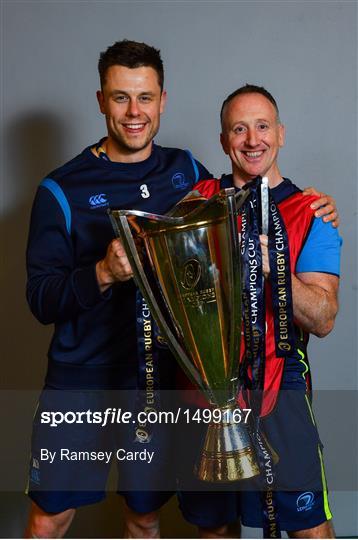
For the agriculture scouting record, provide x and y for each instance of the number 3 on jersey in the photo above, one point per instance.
(144, 191)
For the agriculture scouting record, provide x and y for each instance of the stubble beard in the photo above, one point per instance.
(130, 148)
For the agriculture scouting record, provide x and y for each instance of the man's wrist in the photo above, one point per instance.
(104, 276)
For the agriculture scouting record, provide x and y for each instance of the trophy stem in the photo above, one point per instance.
(228, 453)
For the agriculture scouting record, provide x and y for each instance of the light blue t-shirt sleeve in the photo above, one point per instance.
(322, 250)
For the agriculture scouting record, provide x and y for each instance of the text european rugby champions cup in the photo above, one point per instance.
(187, 265)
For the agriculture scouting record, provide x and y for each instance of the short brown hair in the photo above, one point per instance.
(131, 54)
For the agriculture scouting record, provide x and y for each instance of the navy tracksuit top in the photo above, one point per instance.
(94, 340)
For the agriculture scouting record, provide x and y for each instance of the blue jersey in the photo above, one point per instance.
(94, 340)
(322, 248)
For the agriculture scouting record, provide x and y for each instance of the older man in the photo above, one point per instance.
(252, 135)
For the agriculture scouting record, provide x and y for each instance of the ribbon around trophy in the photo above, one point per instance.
(258, 209)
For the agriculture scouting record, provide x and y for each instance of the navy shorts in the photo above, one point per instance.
(301, 491)
(70, 462)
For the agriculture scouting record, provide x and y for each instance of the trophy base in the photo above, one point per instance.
(228, 454)
(227, 468)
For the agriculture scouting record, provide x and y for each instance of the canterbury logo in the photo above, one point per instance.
(97, 200)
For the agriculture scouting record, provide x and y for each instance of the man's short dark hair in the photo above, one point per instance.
(130, 54)
(250, 89)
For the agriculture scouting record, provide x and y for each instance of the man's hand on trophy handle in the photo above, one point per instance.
(325, 206)
(265, 256)
(114, 267)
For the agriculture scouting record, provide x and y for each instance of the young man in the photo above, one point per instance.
(79, 280)
(252, 136)
(76, 281)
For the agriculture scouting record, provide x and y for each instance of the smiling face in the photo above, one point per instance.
(252, 136)
(132, 102)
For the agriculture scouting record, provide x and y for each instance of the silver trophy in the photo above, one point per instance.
(187, 265)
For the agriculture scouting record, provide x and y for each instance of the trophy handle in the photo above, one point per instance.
(235, 319)
(123, 231)
(235, 201)
(241, 197)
